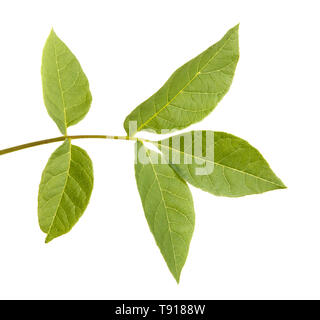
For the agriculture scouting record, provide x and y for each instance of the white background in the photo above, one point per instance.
(260, 247)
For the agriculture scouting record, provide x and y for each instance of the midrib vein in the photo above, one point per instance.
(165, 209)
(63, 190)
(60, 86)
(224, 166)
(188, 83)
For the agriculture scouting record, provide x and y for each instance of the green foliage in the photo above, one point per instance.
(65, 87)
(233, 169)
(193, 90)
(216, 162)
(67, 180)
(168, 207)
(224, 165)
(65, 190)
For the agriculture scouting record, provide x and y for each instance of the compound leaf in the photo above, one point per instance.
(168, 207)
(65, 190)
(192, 91)
(219, 163)
(65, 86)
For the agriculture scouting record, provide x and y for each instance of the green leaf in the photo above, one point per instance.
(168, 207)
(65, 190)
(65, 86)
(192, 91)
(219, 163)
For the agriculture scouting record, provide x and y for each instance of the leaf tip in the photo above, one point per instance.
(280, 184)
(283, 186)
(48, 239)
(236, 27)
(52, 32)
(176, 276)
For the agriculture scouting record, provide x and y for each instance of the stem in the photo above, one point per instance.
(47, 141)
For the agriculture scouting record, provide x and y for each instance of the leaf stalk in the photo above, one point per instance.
(63, 138)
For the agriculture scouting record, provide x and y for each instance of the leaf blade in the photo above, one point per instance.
(238, 168)
(66, 92)
(65, 190)
(192, 91)
(171, 219)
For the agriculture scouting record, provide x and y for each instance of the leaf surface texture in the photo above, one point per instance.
(192, 91)
(65, 190)
(168, 207)
(65, 86)
(238, 168)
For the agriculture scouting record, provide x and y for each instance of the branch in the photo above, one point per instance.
(52, 140)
